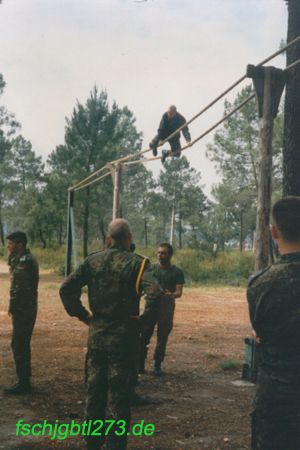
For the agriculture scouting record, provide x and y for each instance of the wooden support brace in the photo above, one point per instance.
(278, 80)
(269, 83)
(116, 171)
(69, 233)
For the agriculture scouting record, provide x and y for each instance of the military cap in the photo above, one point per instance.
(18, 236)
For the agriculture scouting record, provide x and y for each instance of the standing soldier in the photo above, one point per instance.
(22, 307)
(116, 278)
(170, 122)
(171, 279)
(274, 306)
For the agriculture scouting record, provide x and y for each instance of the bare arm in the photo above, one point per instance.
(177, 293)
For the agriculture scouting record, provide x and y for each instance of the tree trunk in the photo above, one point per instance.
(60, 234)
(102, 230)
(265, 179)
(180, 231)
(2, 233)
(291, 145)
(1, 223)
(43, 240)
(145, 232)
(241, 232)
(163, 230)
(86, 222)
(172, 226)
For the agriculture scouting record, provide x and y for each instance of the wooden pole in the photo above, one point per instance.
(269, 83)
(69, 233)
(264, 178)
(291, 139)
(73, 235)
(172, 227)
(117, 186)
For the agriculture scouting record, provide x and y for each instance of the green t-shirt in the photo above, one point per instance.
(168, 278)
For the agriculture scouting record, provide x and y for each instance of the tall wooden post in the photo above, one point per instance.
(269, 83)
(291, 140)
(264, 178)
(172, 226)
(71, 241)
(117, 170)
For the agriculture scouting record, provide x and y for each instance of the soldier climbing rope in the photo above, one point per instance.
(114, 167)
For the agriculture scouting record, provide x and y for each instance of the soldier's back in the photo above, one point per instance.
(112, 296)
(274, 300)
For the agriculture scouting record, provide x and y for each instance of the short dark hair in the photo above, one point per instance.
(286, 215)
(119, 230)
(18, 236)
(168, 247)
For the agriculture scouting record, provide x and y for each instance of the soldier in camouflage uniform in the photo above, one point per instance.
(22, 307)
(274, 307)
(116, 278)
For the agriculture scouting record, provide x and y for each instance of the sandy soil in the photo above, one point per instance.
(195, 406)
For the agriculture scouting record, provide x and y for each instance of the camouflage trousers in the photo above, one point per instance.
(174, 144)
(164, 324)
(109, 372)
(276, 419)
(23, 323)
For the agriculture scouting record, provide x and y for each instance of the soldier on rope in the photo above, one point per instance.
(170, 122)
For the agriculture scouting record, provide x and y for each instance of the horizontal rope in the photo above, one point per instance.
(213, 102)
(216, 124)
(295, 63)
(87, 178)
(136, 154)
(202, 135)
(75, 189)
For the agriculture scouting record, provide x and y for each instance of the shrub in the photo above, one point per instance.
(229, 364)
(230, 268)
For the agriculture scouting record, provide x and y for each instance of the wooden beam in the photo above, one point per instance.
(269, 83)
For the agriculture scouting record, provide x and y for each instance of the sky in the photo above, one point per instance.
(146, 54)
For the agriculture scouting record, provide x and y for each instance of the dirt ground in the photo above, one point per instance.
(195, 406)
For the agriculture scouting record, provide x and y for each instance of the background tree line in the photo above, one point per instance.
(33, 194)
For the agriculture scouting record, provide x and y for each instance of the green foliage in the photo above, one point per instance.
(180, 187)
(96, 133)
(51, 258)
(235, 151)
(230, 364)
(200, 267)
(232, 268)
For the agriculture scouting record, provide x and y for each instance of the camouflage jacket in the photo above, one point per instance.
(116, 279)
(274, 306)
(24, 273)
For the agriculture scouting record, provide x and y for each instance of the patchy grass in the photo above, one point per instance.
(230, 364)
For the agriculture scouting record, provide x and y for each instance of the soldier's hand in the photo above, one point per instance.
(88, 319)
(257, 338)
(168, 294)
(188, 143)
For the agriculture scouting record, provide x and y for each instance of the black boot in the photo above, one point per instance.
(22, 387)
(164, 155)
(157, 369)
(139, 400)
(142, 366)
(153, 147)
